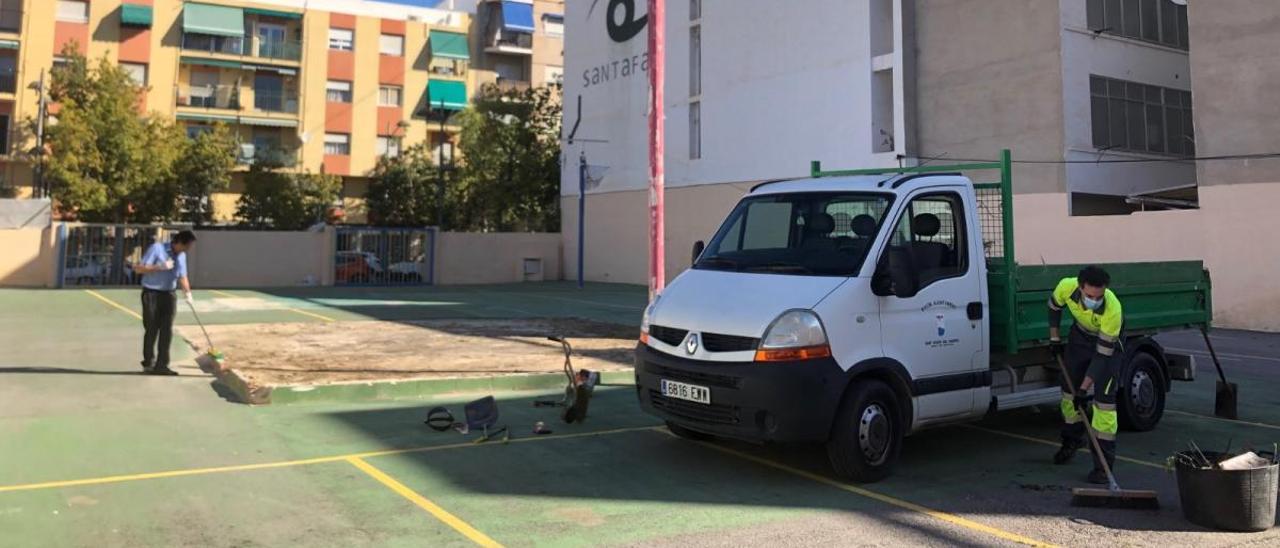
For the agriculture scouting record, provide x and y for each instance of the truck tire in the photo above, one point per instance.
(1140, 400)
(868, 433)
(682, 432)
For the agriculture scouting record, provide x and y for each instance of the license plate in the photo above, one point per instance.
(687, 392)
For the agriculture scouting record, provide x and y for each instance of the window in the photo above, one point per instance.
(1139, 117)
(695, 10)
(695, 60)
(138, 72)
(73, 11)
(1158, 21)
(196, 130)
(931, 231)
(342, 39)
(695, 130)
(553, 24)
(391, 44)
(389, 146)
(389, 96)
(338, 92)
(337, 144)
(554, 76)
(793, 234)
(4, 134)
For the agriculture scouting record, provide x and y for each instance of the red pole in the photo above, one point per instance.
(657, 135)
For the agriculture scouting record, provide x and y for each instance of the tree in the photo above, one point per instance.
(402, 190)
(283, 201)
(207, 163)
(509, 174)
(104, 161)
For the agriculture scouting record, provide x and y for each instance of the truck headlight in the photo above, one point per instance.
(795, 335)
(644, 320)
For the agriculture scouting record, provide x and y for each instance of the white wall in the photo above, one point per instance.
(773, 98)
(1083, 54)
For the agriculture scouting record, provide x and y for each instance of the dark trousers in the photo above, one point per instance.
(1080, 360)
(158, 309)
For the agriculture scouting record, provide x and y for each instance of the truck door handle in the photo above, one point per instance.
(975, 311)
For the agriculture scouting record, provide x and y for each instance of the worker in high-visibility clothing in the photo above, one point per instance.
(1092, 355)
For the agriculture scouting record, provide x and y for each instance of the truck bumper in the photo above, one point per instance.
(754, 402)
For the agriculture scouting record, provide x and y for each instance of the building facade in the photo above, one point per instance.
(1106, 104)
(316, 85)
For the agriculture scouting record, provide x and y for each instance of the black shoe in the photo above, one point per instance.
(162, 371)
(1067, 451)
(1098, 477)
(146, 367)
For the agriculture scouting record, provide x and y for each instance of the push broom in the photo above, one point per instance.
(1113, 496)
(212, 360)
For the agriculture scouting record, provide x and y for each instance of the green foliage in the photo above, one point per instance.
(206, 166)
(509, 177)
(103, 160)
(276, 200)
(402, 190)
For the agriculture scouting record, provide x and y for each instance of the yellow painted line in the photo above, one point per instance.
(893, 501)
(1199, 416)
(312, 314)
(114, 304)
(422, 502)
(288, 463)
(222, 293)
(1052, 443)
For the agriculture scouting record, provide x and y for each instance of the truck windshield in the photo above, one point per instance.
(803, 233)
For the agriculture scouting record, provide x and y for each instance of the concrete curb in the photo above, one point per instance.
(247, 392)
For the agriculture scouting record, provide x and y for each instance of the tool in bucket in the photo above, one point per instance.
(211, 361)
(577, 393)
(1225, 398)
(1113, 496)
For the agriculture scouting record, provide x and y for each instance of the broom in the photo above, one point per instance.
(1113, 496)
(212, 360)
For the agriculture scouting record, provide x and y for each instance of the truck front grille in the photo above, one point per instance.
(714, 413)
(715, 342)
(669, 335)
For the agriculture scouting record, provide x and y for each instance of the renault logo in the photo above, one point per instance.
(691, 344)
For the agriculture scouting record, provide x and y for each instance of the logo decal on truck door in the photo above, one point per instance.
(942, 324)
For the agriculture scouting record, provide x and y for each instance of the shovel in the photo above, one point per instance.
(1224, 402)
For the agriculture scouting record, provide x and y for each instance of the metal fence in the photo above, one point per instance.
(104, 254)
(384, 256)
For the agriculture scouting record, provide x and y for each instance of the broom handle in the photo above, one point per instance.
(1205, 331)
(1093, 437)
(201, 324)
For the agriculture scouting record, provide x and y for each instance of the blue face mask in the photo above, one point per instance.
(1092, 304)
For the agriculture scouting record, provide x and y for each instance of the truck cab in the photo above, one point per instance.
(851, 310)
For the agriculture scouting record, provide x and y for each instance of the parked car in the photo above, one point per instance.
(357, 267)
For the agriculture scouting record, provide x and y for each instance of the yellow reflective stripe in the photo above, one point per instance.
(1107, 390)
(1054, 306)
(1106, 350)
(1105, 422)
(1069, 413)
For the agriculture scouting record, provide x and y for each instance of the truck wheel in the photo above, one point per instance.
(686, 433)
(1141, 396)
(868, 433)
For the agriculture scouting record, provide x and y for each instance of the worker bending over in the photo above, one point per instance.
(1091, 355)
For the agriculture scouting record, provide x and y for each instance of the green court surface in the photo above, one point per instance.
(94, 454)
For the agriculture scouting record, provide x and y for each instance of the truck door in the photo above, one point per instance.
(932, 333)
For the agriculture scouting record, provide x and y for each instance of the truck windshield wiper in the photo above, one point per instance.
(780, 266)
(712, 262)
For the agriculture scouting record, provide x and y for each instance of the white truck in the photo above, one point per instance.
(856, 307)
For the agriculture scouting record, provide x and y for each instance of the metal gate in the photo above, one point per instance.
(384, 256)
(104, 254)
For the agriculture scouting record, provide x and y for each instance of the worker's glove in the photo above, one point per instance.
(1081, 401)
(190, 299)
(168, 265)
(1056, 348)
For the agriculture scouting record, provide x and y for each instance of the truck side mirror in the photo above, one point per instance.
(896, 275)
(698, 246)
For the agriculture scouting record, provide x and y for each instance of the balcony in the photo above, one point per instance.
(505, 41)
(276, 50)
(209, 97)
(205, 43)
(279, 102)
(270, 155)
(283, 50)
(507, 84)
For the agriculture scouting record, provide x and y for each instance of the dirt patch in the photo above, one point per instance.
(321, 353)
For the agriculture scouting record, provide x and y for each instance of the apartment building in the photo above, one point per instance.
(317, 85)
(1104, 104)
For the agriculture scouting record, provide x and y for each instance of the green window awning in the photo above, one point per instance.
(449, 45)
(273, 13)
(135, 15)
(267, 122)
(9, 44)
(192, 117)
(210, 62)
(214, 20)
(446, 94)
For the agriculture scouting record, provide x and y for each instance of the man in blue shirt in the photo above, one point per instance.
(164, 269)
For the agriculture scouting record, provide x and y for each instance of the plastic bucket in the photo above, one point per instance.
(1231, 500)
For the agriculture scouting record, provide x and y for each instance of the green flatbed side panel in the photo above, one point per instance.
(1156, 296)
